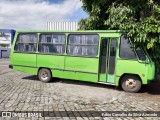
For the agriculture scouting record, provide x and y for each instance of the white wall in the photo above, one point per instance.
(5, 40)
(58, 26)
(4, 52)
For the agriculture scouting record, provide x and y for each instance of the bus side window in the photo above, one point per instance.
(83, 45)
(52, 43)
(113, 51)
(26, 42)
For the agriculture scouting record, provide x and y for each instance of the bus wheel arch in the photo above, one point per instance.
(130, 82)
(44, 74)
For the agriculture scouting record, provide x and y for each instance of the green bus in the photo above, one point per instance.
(100, 56)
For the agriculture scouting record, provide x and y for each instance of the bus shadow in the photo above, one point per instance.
(152, 88)
(84, 83)
(32, 77)
(75, 82)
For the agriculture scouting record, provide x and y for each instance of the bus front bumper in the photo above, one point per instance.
(11, 66)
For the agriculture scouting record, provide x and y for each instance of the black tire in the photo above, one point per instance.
(44, 75)
(131, 83)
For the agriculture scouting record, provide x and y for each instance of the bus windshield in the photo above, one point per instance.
(127, 52)
(140, 53)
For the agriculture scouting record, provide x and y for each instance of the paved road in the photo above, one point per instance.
(23, 92)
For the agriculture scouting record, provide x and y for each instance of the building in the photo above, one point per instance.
(6, 39)
(62, 26)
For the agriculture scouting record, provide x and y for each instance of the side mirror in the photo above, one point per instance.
(147, 61)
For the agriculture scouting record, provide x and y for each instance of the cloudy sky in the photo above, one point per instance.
(34, 14)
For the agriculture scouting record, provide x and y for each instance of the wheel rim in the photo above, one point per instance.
(131, 83)
(44, 75)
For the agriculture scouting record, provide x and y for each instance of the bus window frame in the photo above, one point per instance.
(23, 33)
(87, 56)
(51, 33)
(143, 53)
(130, 47)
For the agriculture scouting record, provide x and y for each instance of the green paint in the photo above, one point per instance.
(81, 67)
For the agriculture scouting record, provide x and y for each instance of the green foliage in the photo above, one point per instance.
(141, 18)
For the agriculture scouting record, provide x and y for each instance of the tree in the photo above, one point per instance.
(141, 18)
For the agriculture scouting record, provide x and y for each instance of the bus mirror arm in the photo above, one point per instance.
(147, 61)
(144, 60)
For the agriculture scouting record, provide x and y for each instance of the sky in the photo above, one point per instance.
(34, 14)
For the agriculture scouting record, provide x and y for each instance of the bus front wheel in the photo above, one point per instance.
(44, 75)
(131, 83)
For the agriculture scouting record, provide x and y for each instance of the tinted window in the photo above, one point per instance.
(26, 43)
(82, 50)
(112, 59)
(103, 62)
(140, 54)
(83, 39)
(85, 45)
(52, 43)
(125, 49)
(55, 39)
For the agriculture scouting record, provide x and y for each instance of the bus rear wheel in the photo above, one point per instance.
(131, 83)
(44, 75)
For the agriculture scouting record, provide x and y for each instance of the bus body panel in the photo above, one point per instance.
(140, 69)
(31, 70)
(50, 61)
(81, 64)
(25, 62)
(84, 68)
(24, 59)
(75, 75)
(151, 71)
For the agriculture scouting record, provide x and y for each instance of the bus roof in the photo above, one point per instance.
(79, 31)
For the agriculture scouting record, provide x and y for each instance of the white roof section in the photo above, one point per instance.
(62, 26)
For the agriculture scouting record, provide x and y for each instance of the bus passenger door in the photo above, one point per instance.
(107, 60)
